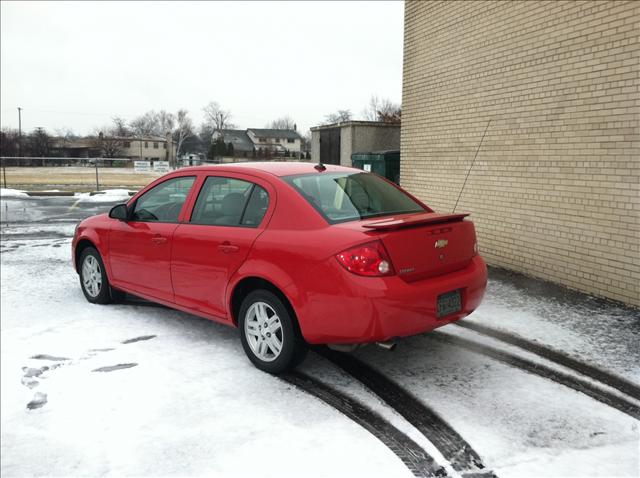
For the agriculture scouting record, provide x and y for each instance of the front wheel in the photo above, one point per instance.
(269, 334)
(93, 278)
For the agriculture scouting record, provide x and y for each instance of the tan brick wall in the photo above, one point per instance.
(555, 191)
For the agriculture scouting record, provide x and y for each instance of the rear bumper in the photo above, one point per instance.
(354, 309)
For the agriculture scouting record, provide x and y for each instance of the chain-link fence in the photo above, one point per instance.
(78, 174)
(91, 174)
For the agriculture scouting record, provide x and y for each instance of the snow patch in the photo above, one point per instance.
(108, 195)
(12, 193)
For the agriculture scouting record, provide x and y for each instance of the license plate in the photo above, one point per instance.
(449, 303)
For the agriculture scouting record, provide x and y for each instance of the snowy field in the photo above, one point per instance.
(140, 390)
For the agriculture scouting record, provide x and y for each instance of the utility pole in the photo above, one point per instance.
(19, 131)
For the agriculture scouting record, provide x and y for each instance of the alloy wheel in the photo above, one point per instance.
(91, 276)
(263, 331)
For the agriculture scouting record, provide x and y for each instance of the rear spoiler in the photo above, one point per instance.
(414, 220)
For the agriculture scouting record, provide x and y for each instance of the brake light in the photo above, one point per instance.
(370, 259)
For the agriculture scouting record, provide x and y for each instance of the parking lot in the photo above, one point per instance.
(540, 381)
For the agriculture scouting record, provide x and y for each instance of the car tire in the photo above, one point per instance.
(93, 277)
(269, 333)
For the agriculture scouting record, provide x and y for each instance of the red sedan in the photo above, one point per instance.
(290, 253)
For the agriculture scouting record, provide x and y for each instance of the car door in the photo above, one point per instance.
(228, 215)
(140, 248)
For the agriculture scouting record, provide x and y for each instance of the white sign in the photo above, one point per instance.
(367, 167)
(142, 166)
(161, 166)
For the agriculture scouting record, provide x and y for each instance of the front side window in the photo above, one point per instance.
(164, 202)
(230, 202)
(341, 197)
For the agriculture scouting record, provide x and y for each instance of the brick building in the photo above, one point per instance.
(555, 190)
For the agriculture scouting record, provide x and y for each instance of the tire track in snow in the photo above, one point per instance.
(541, 370)
(619, 383)
(454, 448)
(412, 455)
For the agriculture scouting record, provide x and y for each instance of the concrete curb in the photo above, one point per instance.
(64, 193)
(50, 193)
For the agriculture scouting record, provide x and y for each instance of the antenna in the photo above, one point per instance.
(320, 167)
(471, 167)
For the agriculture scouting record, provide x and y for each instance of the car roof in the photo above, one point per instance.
(276, 168)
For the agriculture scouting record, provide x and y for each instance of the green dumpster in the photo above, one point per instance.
(383, 163)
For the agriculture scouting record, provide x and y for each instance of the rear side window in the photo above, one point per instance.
(230, 202)
(341, 197)
(256, 207)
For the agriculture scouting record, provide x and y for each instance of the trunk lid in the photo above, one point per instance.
(424, 245)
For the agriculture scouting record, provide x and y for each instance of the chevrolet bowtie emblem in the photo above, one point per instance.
(440, 243)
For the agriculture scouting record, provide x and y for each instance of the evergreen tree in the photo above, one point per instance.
(211, 154)
(230, 149)
(220, 147)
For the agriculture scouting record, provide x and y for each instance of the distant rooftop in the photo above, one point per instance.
(344, 124)
(239, 139)
(275, 133)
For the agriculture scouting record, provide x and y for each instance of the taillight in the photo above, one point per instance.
(370, 259)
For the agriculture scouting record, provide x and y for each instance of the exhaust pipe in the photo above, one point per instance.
(390, 346)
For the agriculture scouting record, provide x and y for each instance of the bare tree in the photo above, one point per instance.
(378, 108)
(394, 117)
(120, 127)
(285, 122)
(338, 117)
(9, 142)
(218, 117)
(165, 122)
(183, 131)
(65, 133)
(40, 143)
(205, 135)
(108, 142)
(147, 124)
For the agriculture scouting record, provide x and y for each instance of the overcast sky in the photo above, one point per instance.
(78, 64)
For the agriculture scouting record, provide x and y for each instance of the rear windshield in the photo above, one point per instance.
(341, 197)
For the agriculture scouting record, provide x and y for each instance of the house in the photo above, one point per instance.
(278, 140)
(335, 143)
(149, 148)
(253, 142)
(242, 145)
(554, 92)
(74, 147)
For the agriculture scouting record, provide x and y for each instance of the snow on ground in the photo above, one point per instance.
(517, 422)
(182, 399)
(599, 332)
(12, 193)
(192, 404)
(107, 195)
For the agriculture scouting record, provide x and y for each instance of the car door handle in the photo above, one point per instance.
(158, 239)
(228, 248)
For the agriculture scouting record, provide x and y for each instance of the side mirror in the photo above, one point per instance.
(119, 212)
